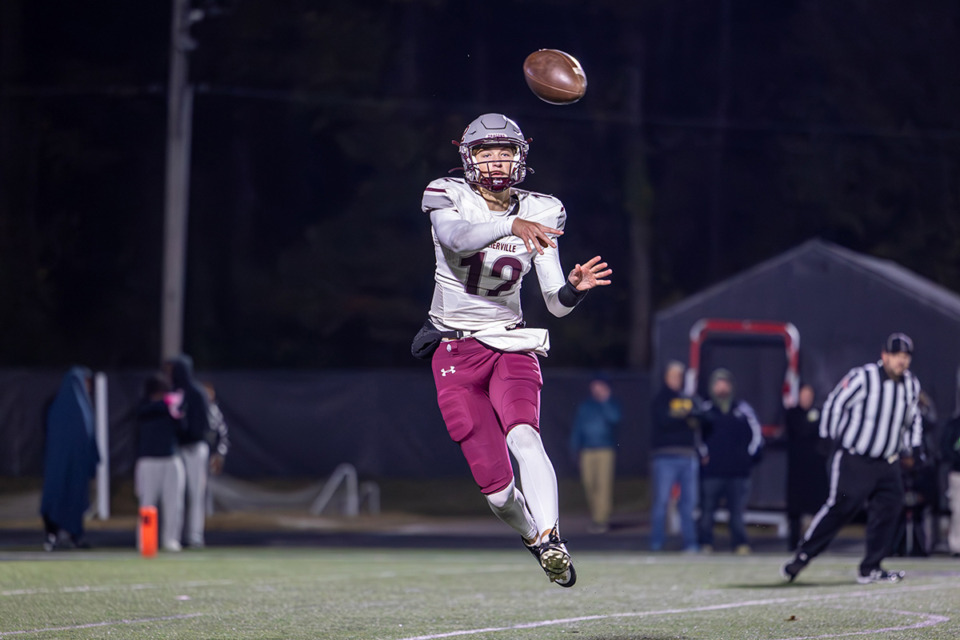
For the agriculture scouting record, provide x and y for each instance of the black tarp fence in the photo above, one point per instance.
(303, 424)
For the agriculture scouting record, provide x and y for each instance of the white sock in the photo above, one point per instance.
(508, 505)
(537, 477)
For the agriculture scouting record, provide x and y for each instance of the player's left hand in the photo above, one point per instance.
(592, 273)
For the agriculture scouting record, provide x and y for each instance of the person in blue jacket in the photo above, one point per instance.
(732, 444)
(593, 442)
(69, 462)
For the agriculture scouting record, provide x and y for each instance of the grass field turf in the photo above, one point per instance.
(381, 594)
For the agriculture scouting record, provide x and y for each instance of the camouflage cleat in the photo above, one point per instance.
(555, 560)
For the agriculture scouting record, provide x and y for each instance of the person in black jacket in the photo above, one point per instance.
(806, 463)
(950, 450)
(674, 441)
(733, 442)
(194, 447)
(159, 475)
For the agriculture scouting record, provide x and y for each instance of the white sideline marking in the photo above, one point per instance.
(84, 588)
(92, 625)
(929, 619)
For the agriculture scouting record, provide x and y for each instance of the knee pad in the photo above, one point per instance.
(500, 499)
(524, 438)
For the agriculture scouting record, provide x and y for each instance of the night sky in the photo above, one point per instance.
(713, 135)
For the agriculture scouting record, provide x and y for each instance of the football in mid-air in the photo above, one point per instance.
(555, 76)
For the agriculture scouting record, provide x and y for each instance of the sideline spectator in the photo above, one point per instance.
(158, 475)
(865, 467)
(219, 438)
(920, 490)
(194, 447)
(806, 463)
(674, 440)
(592, 442)
(733, 442)
(950, 448)
(69, 462)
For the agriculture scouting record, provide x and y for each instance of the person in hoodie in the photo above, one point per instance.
(675, 458)
(593, 442)
(158, 475)
(732, 445)
(70, 460)
(194, 447)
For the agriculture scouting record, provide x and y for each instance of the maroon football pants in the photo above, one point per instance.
(483, 394)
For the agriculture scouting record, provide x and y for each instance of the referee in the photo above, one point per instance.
(870, 416)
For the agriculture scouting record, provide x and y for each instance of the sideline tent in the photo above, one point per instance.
(843, 304)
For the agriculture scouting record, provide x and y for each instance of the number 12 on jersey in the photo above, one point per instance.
(506, 269)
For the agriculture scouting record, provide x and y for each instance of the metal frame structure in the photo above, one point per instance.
(737, 329)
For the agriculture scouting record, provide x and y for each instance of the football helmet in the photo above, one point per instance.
(487, 130)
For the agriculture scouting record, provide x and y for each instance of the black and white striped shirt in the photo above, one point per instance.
(872, 415)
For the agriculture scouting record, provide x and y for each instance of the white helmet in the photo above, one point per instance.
(493, 129)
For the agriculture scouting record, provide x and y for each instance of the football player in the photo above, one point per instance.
(487, 234)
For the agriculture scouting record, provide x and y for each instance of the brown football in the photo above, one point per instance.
(555, 76)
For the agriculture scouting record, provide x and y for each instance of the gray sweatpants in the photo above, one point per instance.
(159, 482)
(196, 460)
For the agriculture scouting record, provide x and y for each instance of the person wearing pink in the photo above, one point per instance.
(487, 235)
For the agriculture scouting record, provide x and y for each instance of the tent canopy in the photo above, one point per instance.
(843, 304)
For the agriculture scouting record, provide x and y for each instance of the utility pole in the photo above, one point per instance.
(179, 121)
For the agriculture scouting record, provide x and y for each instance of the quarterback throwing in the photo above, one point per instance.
(487, 235)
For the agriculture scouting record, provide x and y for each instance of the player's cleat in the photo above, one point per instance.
(555, 560)
(881, 576)
(568, 578)
(792, 569)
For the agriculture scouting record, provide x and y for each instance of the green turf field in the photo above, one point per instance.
(425, 594)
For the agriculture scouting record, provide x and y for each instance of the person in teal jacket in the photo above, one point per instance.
(593, 442)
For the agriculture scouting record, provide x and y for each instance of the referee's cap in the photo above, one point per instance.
(898, 343)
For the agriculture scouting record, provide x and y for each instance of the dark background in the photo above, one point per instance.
(713, 135)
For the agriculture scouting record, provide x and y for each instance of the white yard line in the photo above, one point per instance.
(929, 620)
(93, 625)
(83, 588)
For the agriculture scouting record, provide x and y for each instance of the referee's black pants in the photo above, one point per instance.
(855, 480)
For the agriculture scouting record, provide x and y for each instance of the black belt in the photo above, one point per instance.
(887, 459)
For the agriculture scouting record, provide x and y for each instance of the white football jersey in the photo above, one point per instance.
(480, 264)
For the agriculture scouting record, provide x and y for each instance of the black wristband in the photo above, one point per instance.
(569, 296)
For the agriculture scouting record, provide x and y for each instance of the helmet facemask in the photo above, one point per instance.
(477, 170)
(493, 130)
